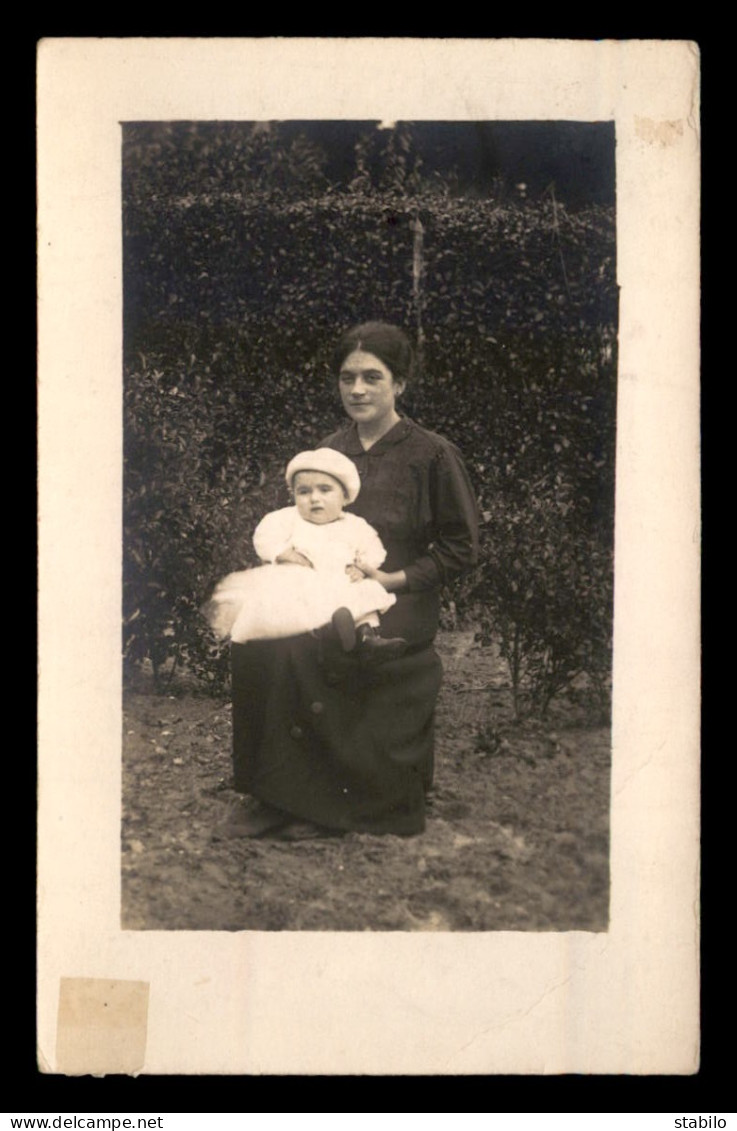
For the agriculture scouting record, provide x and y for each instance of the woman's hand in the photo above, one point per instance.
(293, 557)
(390, 581)
(355, 573)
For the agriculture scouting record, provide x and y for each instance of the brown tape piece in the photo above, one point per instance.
(101, 1027)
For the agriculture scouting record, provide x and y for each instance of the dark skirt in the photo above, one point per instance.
(327, 739)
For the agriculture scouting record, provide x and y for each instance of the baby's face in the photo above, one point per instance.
(318, 496)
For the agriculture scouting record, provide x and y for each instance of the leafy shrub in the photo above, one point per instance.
(546, 587)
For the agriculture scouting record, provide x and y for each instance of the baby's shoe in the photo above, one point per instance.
(377, 649)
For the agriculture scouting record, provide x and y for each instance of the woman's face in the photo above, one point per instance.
(368, 389)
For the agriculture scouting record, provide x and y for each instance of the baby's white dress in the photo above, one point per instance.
(275, 601)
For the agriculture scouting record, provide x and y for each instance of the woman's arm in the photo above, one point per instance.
(455, 544)
(390, 581)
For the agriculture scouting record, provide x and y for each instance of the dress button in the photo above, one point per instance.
(296, 732)
(317, 708)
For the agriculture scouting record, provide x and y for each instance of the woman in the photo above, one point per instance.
(323, 742)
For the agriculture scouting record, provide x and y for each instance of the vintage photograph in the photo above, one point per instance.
(368, 557)
(369, 425)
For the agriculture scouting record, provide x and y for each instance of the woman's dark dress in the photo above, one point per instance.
(317, 733)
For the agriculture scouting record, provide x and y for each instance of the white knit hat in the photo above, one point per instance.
(331, 463)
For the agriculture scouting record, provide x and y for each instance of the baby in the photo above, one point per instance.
(316, 556)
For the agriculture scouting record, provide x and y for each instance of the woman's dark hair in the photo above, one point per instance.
(390, 344)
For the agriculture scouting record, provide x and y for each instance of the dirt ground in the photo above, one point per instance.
(517, 833)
